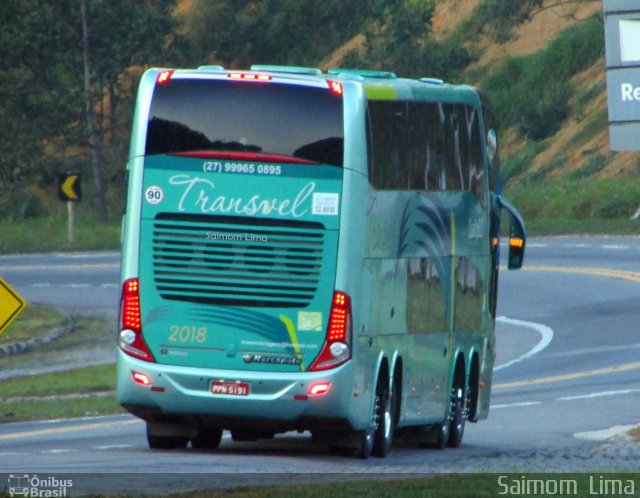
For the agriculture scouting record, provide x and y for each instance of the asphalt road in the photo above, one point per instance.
(566, 386)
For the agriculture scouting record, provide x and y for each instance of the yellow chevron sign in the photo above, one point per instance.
(69, 187)
(11, 305)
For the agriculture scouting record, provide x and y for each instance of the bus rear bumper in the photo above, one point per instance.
(274, 402)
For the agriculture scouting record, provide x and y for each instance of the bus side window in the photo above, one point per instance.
(451, 151)
(425, 147)
(387, 143)
(476, 164)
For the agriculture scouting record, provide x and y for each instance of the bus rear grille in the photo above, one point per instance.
(237, 261)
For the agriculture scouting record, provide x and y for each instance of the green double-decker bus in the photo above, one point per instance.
(310, 251)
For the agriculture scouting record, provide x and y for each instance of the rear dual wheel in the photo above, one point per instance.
(457, 418)
(378, 437)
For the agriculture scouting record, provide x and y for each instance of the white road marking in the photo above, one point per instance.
(613, 247)
(516, 405)
(598, 395)
(546, 336)
(576, 246)
(113, 447)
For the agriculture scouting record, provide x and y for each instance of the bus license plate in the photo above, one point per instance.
(230, 388)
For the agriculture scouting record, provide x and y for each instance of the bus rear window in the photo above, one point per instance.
(199, 115)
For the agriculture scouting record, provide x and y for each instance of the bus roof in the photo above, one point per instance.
(378, 85)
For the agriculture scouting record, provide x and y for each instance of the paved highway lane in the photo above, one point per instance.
(567, 380)
(76, 282)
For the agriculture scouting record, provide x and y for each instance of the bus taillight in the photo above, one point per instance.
(337, 346)
(335, 87)
(130, 338)
(164, 77)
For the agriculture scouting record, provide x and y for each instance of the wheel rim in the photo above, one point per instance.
(387, 418)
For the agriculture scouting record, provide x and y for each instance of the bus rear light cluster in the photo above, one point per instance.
(164, 77)
(335, 87)
(337, 346)
(130, 338)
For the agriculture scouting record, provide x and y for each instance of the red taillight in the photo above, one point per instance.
(130, 338)
(339, 317)
(131, 318)
(335, 87)
(249, 76)
(164, 77)
(337, 347)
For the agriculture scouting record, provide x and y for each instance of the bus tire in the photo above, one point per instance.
(384, 419)
(167, 442)
(166, 437)
(457, 418)
(208, 439)
(365, 440)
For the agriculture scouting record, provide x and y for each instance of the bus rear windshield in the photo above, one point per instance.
(198, 115)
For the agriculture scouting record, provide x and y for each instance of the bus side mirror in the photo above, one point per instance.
(517, 234)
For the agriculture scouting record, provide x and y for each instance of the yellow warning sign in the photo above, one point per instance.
(11, 305)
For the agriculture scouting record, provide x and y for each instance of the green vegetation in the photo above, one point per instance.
(76, 381)
(583, 205)
(537, 101)
(32, 318)
(51, 233)
(72, 393)
(30, 395)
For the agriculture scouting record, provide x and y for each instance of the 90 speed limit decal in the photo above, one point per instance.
(154, 194)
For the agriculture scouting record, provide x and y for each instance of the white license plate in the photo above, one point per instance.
(230, 388)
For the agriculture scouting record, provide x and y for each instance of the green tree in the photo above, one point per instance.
(118, 35)
(399, 40)
(42, 89)
(239, 33)
(38, 72)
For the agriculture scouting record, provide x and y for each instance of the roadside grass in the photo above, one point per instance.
(578, 206)
(472, 485)
(37, 384)
(438, 486)
(72, 393)
(45, 234)
(469, 485)
(32, 318)
(97, 378)
(58, 408)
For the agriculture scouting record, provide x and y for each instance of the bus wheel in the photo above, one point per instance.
(159, 439)
(365, 443)
(167, 442)
(208, 439)
(443, 435)
(384, 420)
(457, 418)
(365, 439)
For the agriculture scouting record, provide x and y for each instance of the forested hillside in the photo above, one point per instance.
(70, 70)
